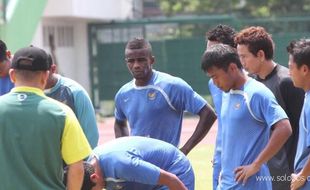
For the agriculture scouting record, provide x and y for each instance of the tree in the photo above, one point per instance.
(248, 8)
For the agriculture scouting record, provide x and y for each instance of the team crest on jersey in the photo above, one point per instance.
(21, 97)
(237, 106)
(151, 95)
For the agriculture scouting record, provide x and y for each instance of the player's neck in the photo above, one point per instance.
(266, 69)
(240, 81)
(306, 87)
(144, 81)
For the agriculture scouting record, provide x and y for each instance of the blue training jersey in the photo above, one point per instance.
(303, 148)
(216, 94)
(135, 163)
(156, 110)
(5, 85)
(247, 116)
(75, 96)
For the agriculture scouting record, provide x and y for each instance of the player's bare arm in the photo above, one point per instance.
(75, 175)
(298, 180)
(170, 180)
(206, 120)
(121, 128)
(282, 131)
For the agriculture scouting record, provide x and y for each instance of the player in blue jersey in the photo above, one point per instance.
(220, 34)
(153, 102)
(5, 63)
(75, 96)
(256, 48)
(299, 66)
(249, 110)
(138, 163)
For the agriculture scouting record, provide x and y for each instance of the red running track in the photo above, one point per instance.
(106, 131)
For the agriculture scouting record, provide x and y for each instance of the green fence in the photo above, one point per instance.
(177, 45)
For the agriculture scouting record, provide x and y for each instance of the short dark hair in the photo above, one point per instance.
(3, 50)
(256, 38)
(139, 43)
(223, 34)
(220, 56)
(300, 51)
(88, 171)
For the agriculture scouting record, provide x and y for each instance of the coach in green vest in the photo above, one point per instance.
(37, 133)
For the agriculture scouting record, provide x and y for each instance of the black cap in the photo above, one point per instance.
(31, 58)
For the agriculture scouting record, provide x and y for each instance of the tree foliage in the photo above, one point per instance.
(249, 8)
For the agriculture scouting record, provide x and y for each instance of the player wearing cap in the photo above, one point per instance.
(131, 163)
(5, 82)
(37, 133)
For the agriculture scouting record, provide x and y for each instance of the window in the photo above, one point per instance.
(63, 35)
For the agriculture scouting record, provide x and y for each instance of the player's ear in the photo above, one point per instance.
(8, 54)
(53, 68)
(152, 59)
(94, 177)
(12, 75)
(261, 55)
(232, 67)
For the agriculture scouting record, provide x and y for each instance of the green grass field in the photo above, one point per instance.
(200, 158)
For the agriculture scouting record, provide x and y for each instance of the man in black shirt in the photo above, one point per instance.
(255, 48)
